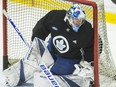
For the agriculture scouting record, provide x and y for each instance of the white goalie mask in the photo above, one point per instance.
(75, 16)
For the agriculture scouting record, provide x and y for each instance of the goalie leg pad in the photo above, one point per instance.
(10, 73)
(20, 72)
(40, 80)
(25, 68)
(44, 52)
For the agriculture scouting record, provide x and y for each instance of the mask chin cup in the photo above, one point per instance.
(75, 27)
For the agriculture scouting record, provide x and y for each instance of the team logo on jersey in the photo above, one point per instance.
(74, 41)
(61, 44)
(54, 28)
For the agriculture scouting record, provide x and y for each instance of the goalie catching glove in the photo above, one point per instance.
(85, 70)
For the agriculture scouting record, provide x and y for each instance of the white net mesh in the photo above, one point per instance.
(25, 14)
(107, 68)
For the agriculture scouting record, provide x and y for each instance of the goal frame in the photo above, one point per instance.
(5, 55)
(95, 25)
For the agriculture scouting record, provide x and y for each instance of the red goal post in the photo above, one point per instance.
(95, 27)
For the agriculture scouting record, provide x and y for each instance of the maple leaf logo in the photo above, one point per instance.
(60, 44)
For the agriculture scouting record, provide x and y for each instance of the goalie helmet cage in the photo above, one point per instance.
(25, 14)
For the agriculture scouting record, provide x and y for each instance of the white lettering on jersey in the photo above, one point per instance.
(54, 28)
(61, 44)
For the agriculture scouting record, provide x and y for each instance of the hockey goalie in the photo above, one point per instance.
(67, 59)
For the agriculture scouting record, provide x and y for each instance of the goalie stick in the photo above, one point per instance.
(43, 67)
(15, 27)
(49, 75)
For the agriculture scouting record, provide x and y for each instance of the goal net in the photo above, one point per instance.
(26, 13)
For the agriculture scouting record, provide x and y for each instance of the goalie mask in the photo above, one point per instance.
(75, 16)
